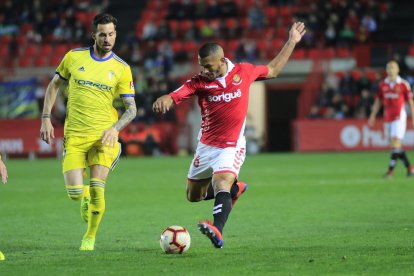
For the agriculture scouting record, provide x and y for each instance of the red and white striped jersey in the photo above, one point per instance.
(223, 102)
(393, 94)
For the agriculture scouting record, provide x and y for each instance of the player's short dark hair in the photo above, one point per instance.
(208, 49)
(103, 18)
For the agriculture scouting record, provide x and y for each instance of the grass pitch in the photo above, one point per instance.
(303, 214)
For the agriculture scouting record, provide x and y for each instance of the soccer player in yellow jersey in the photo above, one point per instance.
(95, 76)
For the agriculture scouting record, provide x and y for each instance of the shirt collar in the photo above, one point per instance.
(397, 80)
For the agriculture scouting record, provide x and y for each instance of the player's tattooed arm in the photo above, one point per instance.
(128, 115)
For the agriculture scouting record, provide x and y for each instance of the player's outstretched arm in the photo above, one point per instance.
(3, 172)
(375, 108)
(46, 130)
(163, 104)
(295, 35)
(110, 136)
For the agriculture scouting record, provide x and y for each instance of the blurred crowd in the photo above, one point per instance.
(350, 94)
(167, 34)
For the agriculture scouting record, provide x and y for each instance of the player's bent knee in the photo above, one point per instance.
(75, 192)
(193, 198)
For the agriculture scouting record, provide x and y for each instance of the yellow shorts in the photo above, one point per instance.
(79, 151)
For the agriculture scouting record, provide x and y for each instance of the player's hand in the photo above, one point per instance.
(3, 172)
(297, 31)
(371, 121)
(47, 132)
(163, 104)
(110, 137)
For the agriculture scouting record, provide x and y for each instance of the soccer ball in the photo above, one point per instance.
(175, 240)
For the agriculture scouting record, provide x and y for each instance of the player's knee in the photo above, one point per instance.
(75, 192)
(193, 198)
(396, 143)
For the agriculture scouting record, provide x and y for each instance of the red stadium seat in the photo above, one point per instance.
(343, 53)
(371, 75)
(328, 53)
(4, 51)
(411, 50)
(262, 44)
(340, 74)
(177, 46)
(298, 54)
(190, 46)
(40, 61)
(25, 61)
(185, 25)
(173, 24)
(314, 53)
(232, 44)
(45, 50)
(356, 74)
(61, 50)
(277, 44)
(55, 60)
(30, 50)
(81, 16)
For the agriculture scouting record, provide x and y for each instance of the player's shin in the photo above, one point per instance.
(96, 206)
(233, 191)
(74, 191)
(222, 209)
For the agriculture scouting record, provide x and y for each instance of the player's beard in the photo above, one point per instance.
(211, 76)
(104, 50)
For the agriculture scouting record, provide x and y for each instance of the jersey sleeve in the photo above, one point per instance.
(63, 69)
(407, 89)
(256, 72)
(184, 92)
(126, 84)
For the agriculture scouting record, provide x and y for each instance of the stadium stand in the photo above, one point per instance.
(348, 40)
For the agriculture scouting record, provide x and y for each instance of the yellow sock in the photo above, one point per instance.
(86, 192)
(74, 191)
(96, 206)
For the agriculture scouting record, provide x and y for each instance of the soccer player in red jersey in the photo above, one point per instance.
(394, 92)
(222, 89)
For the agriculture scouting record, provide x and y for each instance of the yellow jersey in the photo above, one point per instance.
(93, 83)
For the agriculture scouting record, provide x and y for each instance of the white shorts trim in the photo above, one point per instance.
(209, 160)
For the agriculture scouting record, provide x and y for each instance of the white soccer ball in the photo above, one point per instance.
(175, 240)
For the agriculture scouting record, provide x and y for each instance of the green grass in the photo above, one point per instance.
(304, 214)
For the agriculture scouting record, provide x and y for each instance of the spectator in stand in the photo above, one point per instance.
(363, 107)
(352, 21)
(187, 9)
(164, 31)
(200, 8)
(314, 112)
(193, 33)
(237, 31)
(393, 93)
(330, 34)
(229, 9)
(347, 85)
(173, 9)
(346, 36)
(369, 23)
(207, 31)
(256, 16)
(63, 33)
(149, 30)
(214, 9)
